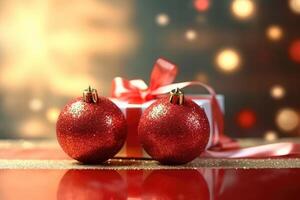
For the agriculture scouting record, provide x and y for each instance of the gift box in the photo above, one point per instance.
(133, 112)
(134, 96)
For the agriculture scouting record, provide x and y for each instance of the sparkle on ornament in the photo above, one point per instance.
(190, 35)
(193, 120)
(294, 51)
(76, 109)
(201, 5)
(242, 9)
(162, 19)
(287, 119)
(274, 32)
(158, 111)
(295, 6)
(228, 60)
(108, 120)
(270, 136)
(52, 114)
(277, 92)
(35, 104)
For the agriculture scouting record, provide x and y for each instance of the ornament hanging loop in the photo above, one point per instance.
(90, 95)
(176, 97)
(95, 95)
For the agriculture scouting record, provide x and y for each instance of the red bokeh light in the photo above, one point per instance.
(294, 51)
(246, 118)
(201, 5)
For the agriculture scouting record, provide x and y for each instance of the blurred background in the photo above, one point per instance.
(248, 50)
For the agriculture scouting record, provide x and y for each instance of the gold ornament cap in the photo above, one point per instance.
(176, 96)
(90, 95)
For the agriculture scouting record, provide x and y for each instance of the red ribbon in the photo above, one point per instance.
(136, 91)
(161, 82)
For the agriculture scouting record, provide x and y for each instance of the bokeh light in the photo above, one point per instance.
(246, 118)
(228, 60)
(294, 51)
(242, 9)
(201, 5)
(277, 92)
(162, 19)
(270, 136)
(43, 41)
(201, 19)
(202, 77)
(27, 144)
(33, 127)
(287, 119)
(52, 114)
(35, 104)
(274, 32)
(295, 6)
(190, 35)
(50, 50)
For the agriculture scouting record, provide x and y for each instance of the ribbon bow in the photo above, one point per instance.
(161, 82)
(136, 91)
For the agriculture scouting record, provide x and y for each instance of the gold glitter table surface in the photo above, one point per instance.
(133, 164)
(46, 154)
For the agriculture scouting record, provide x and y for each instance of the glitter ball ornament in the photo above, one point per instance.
(174, 130)
(91, 129)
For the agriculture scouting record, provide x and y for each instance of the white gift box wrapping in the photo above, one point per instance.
(132, 113)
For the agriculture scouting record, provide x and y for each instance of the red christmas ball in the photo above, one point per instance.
(91, 129)
(174, 130)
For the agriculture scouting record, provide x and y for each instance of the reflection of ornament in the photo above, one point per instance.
(278, 184)
(91, 129)
(92, 184)
(175, 184)
(174, 130)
